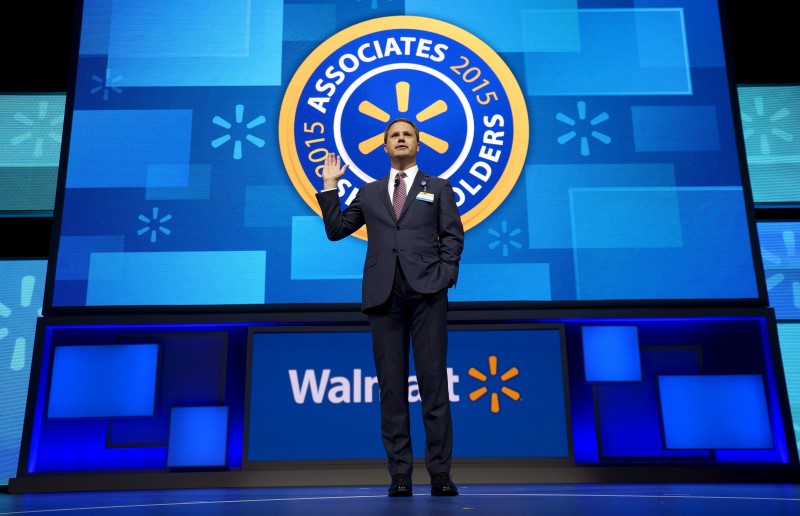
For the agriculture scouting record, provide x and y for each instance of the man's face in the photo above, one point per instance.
(401, 141)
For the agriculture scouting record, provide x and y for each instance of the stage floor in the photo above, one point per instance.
(494, 499)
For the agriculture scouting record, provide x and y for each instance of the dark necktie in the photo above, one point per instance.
(399, 195)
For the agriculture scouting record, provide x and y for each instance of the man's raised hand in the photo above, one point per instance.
(332, 171)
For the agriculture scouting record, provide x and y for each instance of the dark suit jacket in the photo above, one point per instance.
(427, 239)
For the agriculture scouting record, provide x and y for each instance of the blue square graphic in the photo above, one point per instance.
(611, 354)
(115, 380)
(198, 437)
(715, 412)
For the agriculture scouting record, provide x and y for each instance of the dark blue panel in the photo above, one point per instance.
(192, 374)
(628, 413)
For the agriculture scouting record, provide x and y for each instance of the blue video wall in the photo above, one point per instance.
(770, 124)
(592, 149)
(21, 293)
(30, 148)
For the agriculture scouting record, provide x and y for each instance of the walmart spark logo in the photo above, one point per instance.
(20, 345)
(495, 397)
(154, 225)
(580, 124)
(402, 90)
(762, 127)
(106, 85)
(42, 129)
(237, 144)
(504, 238)
(782, 266)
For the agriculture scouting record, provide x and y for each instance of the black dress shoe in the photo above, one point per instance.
(401, 485)
(442, 485)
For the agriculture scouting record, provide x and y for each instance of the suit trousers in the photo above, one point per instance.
(408, 321)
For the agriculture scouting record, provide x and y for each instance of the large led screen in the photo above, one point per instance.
(779, 241)
(30, 147)
(592, 149)
(770, 125)
(21, 292)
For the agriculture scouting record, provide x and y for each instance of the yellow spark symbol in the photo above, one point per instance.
(402, 94)
(478, 393)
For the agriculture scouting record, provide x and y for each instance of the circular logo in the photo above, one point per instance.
(467, 104)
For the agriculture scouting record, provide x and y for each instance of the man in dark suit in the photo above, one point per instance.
(412, 259)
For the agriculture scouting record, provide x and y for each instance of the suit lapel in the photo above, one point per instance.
(383, 189)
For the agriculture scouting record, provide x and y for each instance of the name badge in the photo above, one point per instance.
(425, 196)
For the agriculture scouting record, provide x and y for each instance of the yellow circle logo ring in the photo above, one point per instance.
(465, 92)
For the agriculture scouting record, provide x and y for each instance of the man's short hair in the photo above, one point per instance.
(406, 120)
